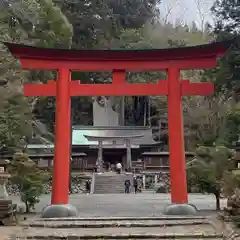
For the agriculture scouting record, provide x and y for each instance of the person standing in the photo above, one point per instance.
(139, 183)
(127, 185)
(119, 168)
(88, 186)
(135, 184)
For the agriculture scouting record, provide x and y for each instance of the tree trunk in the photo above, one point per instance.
(27, 207)
(218, 206)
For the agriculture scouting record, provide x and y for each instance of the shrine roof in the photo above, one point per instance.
(164, 154)
(89, 135)
(84, 136)
(211, 50)
(42, 154)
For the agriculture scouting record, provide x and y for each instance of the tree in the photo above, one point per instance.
(14, 108)
(95, 23)
(134, 13)
(232, 131)
(227, 75)
(30, 179)
(228, 17)
(23, 22)
(211, 170)
(14, 121)
(205, 119)
(30, 17)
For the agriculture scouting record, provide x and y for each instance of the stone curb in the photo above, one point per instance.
(174, 218)
(113, 224)
(125, 236)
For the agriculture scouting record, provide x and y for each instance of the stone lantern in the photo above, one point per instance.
(4, 176)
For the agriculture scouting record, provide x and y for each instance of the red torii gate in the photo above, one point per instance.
(118, 62)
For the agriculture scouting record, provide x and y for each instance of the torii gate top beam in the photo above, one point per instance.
(196, 57)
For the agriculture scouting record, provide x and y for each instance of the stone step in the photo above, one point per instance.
(108, 192)
(176, 232)
(113, 176)
(102, 186)
(110, 188)
(110, 183)
(162, 227)
(158, 218)
(107, 183)
(112, 224)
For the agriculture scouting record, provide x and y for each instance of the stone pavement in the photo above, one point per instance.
(127, 205)
(116, 233)
(165, 227)
(8, 233)
(120, 216)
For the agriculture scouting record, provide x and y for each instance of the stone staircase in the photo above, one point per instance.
(164, 227)
(109, 182)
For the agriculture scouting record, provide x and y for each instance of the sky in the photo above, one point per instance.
(187, 10)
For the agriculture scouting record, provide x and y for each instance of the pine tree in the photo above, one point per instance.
(29, 178)
(211, 171)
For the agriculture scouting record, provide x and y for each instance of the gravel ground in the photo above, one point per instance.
(127, 205)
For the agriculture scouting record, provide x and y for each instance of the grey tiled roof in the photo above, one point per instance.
(80, 135)
(141, 135)
(164, 153)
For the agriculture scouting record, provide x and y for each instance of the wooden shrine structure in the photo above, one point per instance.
(119, 62)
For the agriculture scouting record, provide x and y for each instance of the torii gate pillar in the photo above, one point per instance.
(176, 138)
(118, 62)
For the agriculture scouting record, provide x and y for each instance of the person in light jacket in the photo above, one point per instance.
(119, 168)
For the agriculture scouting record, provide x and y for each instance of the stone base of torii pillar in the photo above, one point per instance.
(59, 211)
(180, 209)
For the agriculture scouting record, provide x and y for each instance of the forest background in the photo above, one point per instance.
(110, 24)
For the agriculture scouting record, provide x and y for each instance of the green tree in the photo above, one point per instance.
(40, 22)
(227, 75)
(23, 22)
(228, 17)
(95, 23)
(211, 170)
(134, 13)
(15, 112)
(14, 121)
(232, 131)
(30, 179)
(205, 119)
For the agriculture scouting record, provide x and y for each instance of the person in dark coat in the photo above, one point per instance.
(88, 186)
(135, 184)
(127, 185)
